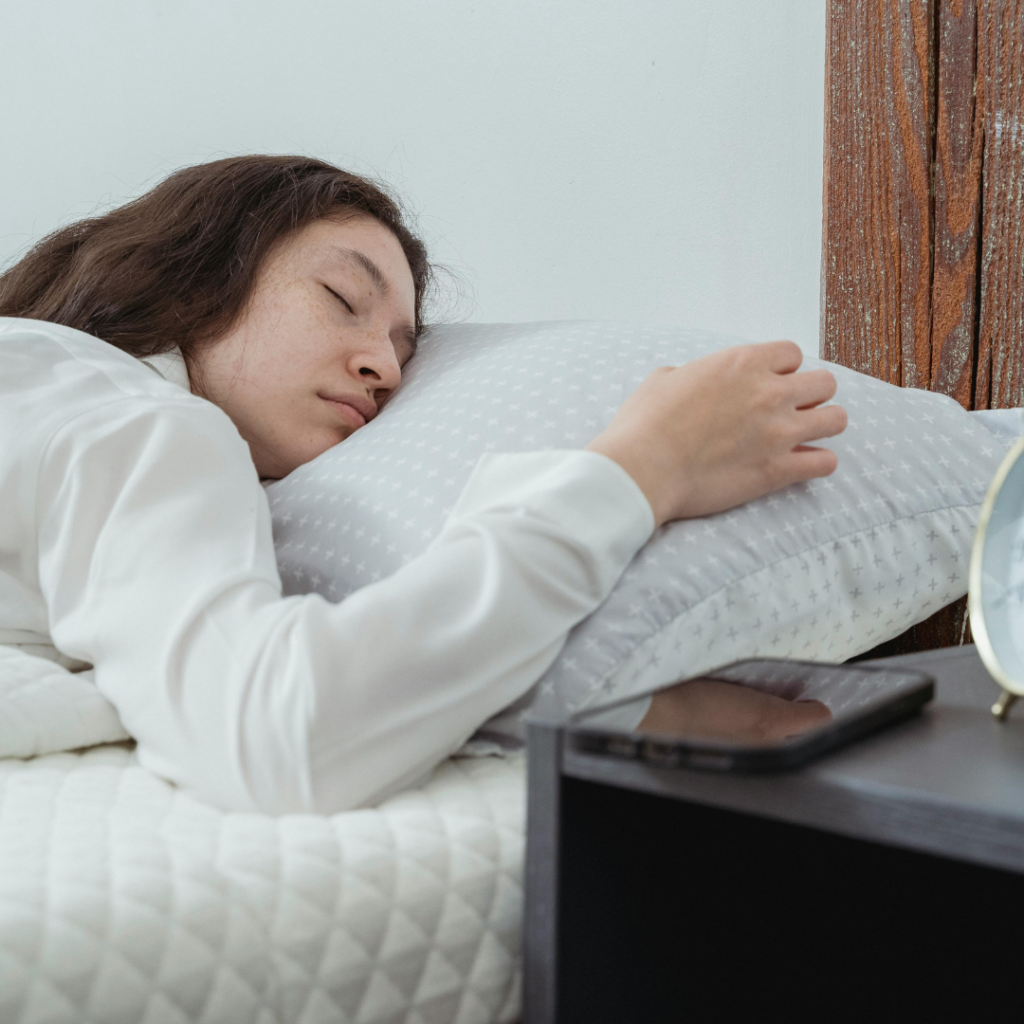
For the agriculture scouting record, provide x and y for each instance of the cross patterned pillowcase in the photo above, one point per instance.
(822, 570)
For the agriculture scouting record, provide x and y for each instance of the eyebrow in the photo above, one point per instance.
(363, 261)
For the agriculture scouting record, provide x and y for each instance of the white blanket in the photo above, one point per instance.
(45, 708)
(122, 899)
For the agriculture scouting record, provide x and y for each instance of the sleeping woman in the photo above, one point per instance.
(235, 322)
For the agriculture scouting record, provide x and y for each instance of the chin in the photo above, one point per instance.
(313, 450)
(277, 464)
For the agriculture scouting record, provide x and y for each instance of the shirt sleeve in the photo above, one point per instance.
(157, 565)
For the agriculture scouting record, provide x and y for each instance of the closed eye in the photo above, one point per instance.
(341, 299)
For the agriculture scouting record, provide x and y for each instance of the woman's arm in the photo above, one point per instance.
(157, 565)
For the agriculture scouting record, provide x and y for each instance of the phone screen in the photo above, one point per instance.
(759, 704)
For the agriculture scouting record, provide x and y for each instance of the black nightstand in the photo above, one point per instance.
(884, 881)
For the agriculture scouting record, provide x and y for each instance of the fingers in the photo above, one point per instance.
(816, 423)
(808, 463)
(812, 387)
(781, 356)
(724, 429)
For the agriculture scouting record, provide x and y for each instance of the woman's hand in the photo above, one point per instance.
(725, 429)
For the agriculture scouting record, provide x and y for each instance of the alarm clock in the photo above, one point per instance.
(995, 596)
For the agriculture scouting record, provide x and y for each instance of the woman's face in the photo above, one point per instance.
(320, 346)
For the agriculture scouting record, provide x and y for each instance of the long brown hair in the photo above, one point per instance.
(176, 266)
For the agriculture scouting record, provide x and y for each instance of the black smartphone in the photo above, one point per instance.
(764, 714)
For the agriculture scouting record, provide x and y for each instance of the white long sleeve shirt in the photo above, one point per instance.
(136, 536)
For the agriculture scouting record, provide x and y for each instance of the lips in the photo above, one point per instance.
(357, 410)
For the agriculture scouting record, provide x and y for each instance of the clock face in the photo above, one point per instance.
(996, 596)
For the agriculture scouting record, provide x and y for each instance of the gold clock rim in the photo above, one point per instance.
(979, 630)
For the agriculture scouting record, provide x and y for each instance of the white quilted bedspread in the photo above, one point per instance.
(122, 900)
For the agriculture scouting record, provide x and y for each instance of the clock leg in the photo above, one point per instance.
(1001, 708)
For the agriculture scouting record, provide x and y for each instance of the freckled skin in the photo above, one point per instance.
(298, 340)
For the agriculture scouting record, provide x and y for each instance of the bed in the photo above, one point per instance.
(124, 900)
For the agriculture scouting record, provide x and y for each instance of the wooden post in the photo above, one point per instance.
(1000, 348)
(876, 258)
(923, 232)
(959, 138)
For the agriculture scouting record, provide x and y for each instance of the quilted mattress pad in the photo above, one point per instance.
(123, 900)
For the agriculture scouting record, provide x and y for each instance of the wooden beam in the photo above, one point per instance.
(877, 229)
(1000, 336)
(956, 203)
(923, 233)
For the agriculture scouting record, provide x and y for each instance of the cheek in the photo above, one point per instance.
(280, 417)
(291, 334)
(295, 420)
(291, 356)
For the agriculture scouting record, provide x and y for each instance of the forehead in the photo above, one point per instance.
(357, 243)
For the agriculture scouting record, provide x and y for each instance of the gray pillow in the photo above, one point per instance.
(822, 570)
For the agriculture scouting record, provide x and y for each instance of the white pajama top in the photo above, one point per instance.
(135, 536)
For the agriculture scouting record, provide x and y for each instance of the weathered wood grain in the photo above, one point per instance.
(1000, 342)
(877, 230)
(923, 233)
(956, 217)
(922, 247)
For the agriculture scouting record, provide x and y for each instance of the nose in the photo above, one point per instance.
(375, 364)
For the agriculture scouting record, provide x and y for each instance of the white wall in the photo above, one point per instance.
(652, 160)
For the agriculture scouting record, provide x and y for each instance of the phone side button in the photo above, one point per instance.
(710, 762)
(663, 754)
(620, 746)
